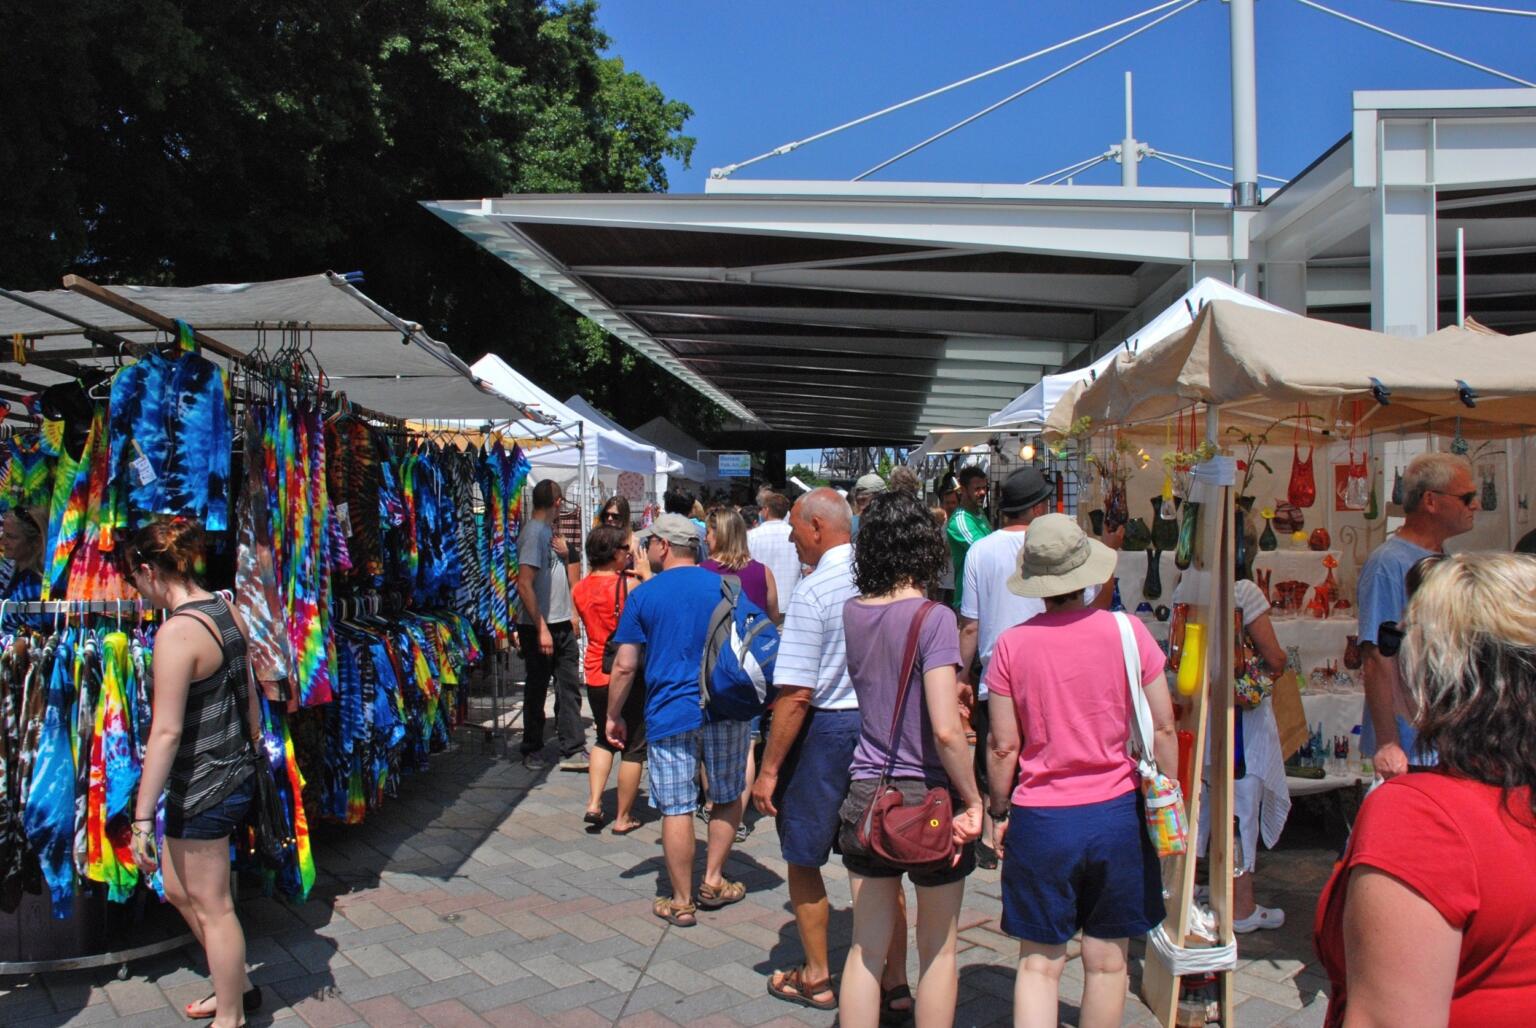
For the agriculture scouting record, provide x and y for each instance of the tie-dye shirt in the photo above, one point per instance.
(170, 439)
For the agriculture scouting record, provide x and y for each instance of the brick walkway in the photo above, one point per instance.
(477, 897)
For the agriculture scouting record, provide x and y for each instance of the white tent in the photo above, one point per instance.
(667, 462)
(1030, 409)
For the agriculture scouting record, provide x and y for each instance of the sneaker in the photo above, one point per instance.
(743, 832)
(535, 761)
(1266, 918)
(578, 761)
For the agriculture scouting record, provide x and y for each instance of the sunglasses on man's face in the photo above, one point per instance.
(1465, 498)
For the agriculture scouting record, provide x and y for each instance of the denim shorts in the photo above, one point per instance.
(812, 783)
(218, 821)
(674, 766)
(1088, 867)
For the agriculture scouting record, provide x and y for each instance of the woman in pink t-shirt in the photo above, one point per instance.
(1430, 918)
(1075, 854)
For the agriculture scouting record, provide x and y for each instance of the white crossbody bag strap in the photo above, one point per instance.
(1141, 711)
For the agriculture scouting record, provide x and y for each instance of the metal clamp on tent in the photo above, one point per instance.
(1382, 394)
(1466, 394)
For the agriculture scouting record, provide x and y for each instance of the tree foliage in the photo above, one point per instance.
(183, 142)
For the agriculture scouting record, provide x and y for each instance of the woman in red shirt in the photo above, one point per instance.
(599, 599)
(1430, 918)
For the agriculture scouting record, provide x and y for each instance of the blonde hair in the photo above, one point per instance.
(1469, 659)
(730, 546)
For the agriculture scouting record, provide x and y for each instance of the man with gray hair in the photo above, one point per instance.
(1440, 500)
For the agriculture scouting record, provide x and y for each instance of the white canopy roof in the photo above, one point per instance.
(562, 446)
(1031, 408)
(356, 342)
(667, 462)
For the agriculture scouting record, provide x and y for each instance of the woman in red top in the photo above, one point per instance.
(599, 599)
(1430, 918)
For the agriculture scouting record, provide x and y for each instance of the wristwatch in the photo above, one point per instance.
(999, 817)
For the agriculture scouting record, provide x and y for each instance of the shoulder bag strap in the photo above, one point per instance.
(620, 594)
(908, 665)
(1141, 711)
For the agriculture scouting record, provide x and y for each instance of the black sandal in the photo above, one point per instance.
(890, 1014)
(250, 1000)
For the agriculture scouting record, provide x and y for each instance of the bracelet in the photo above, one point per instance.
(143, 820)
(999, 817)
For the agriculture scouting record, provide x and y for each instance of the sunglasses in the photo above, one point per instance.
(1465, 498)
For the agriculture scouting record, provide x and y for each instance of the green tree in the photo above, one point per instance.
(806, 475)
(182, 142)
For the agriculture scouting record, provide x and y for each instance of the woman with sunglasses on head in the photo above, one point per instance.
(615, 514)
(204, 735)
(1430, 918)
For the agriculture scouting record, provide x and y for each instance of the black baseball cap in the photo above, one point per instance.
(1023, 489)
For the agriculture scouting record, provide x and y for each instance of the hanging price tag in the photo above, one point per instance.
(142, 470)
(344, 518)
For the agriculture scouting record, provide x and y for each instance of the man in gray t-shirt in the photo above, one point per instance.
(550, 644)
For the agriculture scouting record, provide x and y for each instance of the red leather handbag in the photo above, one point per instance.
(918, 835)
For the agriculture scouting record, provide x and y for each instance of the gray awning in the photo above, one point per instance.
(380, 361)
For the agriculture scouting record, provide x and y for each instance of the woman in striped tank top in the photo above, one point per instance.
(203, 732)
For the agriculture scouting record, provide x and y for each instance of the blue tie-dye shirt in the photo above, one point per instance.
(170, 437)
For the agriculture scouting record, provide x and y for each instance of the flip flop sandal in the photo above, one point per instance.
(594, 819)
(713, 898)
(793, 988)
(679, 915)
(625, 831)
(250, 1000)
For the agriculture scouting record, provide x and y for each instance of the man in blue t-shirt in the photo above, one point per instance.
(1439, 501)
(669, 617)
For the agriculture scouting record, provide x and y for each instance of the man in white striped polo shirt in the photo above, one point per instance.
(770, 545)
(815, 727)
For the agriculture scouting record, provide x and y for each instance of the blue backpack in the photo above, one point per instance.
(736, 671)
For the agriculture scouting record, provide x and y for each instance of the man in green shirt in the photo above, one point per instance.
(968, 523)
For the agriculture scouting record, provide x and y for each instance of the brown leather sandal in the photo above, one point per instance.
(679, 915)
(723, 895)
(793, 988)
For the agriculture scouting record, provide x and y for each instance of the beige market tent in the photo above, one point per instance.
(1260, 364)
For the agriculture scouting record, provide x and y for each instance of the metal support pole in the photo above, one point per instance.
(1461, 278)
(1129, 156)
(1245, 106)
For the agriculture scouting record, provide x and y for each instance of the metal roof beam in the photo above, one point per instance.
(1064, 290)
(1044, 352)
(1002, 324)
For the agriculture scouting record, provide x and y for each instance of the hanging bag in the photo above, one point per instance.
(1163, 801)
(272, 840)
(916, 836)
(620, 597)
(1252, 683)
(1303, 488)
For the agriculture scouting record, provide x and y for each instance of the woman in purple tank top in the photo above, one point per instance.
(728, 555)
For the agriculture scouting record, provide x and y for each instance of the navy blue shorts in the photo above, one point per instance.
(218, 821)
(1088, 867)
(812, 783)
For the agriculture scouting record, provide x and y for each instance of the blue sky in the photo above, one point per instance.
(759, 74)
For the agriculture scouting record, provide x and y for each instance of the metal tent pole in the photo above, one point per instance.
(1245, 107)
(1129, 157)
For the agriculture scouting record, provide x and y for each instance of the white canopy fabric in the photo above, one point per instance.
(1034, 405)
(948, 440)
(356, 342)
(1260, 364)
(667, 463)
(561, 447)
